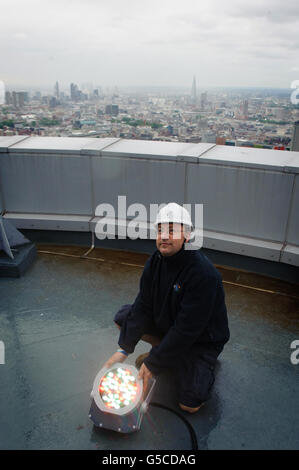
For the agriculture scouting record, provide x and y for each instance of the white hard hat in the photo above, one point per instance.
(175, 213)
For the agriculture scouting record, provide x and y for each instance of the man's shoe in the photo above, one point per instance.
(190, 410)
(140, 359)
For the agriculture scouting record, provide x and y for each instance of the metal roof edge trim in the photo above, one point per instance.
(50, 151)
(97, 152)
(77, 223)
(7, 149)
(123, 223)
(290, 255)
(242, 245)
(236, 238)
(129, 153)
(205, 157)
(284, 167)
(234, 164)
(289, 167)
(38, 152)
(147, 157)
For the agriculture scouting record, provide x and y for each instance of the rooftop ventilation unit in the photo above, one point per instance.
(16, 252)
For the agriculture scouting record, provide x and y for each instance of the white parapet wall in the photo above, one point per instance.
(250, 196)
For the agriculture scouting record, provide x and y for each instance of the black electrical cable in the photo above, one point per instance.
(190, 428)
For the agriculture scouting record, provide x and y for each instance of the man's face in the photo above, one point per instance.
(170, 238)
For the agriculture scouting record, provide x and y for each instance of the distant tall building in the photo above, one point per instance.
(76, 94)
(87, 87)
(53, 102)
(112, 109)
(220, 140)
(295, 139)
(203, 100)
(56, 90)
(2, 92)
(8, 97)
(193, 91)
(245, 109)
(73, 90)
(37, 95)
(19, 98)
(14, 98)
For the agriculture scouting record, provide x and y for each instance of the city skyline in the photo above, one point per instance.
(140, 43)
(252, 118)
(49, 90)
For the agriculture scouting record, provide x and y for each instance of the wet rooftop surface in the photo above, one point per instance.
(57, 325)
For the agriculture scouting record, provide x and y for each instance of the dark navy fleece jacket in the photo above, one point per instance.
(183, 297)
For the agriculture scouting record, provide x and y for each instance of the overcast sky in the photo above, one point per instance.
(156, 42)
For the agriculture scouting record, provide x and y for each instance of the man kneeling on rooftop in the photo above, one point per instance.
(180, 310)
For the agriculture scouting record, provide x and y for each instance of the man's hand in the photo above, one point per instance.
(116, 357)
(145, 374)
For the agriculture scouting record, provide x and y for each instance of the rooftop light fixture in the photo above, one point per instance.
(117, 401)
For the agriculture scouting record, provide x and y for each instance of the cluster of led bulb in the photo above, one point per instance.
(118, 388)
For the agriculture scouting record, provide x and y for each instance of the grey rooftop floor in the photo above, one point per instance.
(56, 323)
